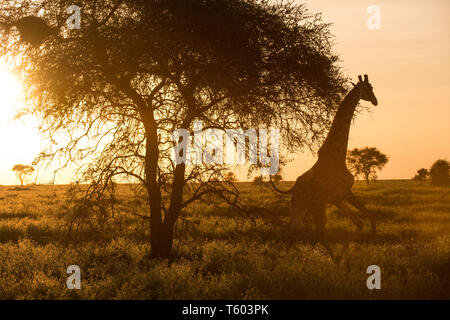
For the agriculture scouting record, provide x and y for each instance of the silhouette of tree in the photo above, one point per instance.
(22, 171)
(421, 175)
(440, 173)
(364, 162)
(277, 178)
(137, 70)
(231, 177)
(258, 180)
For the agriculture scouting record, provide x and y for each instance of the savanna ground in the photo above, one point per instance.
(219, 254)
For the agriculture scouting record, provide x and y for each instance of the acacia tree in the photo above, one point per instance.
(440, 173)
(138, 70)
(421, 175)
(366, 161)
(231, 177)
(22, 171)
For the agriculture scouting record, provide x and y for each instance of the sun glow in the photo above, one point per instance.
(19, 138)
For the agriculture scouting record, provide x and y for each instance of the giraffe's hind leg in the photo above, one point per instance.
(318, 212)
(364, 211)
(347, 212)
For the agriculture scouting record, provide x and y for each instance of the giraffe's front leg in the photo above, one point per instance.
(364, 211)
(345, 211)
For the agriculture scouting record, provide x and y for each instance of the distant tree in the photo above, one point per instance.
(258, 180)
(421, 175)
(365, 162)
(439, 173)
(22, 171)
(231, 177)
(277, 178)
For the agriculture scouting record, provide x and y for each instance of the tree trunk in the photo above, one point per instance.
(155, 223)
(162, 239)
(367, 179)
(166, 240)
(151, 184)
(166, 235)
(161, 232)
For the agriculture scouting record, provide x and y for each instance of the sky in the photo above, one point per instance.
(408, 63)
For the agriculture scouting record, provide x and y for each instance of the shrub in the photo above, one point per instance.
(439, 173)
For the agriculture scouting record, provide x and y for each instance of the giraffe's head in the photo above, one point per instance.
(366, 90)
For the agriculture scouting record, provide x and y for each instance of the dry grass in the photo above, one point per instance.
(220, 255)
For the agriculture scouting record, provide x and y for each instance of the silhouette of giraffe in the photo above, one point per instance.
(329, 181)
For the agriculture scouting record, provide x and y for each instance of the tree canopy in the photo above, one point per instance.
(22, 171)
(421, 175)
(115, 90)
(366, 161)
(440, 173)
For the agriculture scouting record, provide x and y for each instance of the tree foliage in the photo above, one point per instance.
(440, 173)
(365, 162)
(231, 177)
(258, 180)
(137, 70)
(22, 171)
(421, 175)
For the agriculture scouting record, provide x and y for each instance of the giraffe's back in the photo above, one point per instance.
(323, 183)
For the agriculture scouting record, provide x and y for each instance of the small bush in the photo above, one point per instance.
(440, 173)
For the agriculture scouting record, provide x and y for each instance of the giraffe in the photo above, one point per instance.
(329, 181)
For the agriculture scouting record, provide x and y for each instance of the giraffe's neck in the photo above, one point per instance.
(334, 148)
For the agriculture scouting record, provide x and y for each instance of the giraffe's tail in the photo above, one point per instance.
(279, 190)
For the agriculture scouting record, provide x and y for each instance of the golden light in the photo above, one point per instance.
(10, 90)
(19, 139)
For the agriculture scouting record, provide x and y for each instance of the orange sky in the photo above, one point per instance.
(408, 64)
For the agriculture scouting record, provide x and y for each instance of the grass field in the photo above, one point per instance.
(222, 255)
